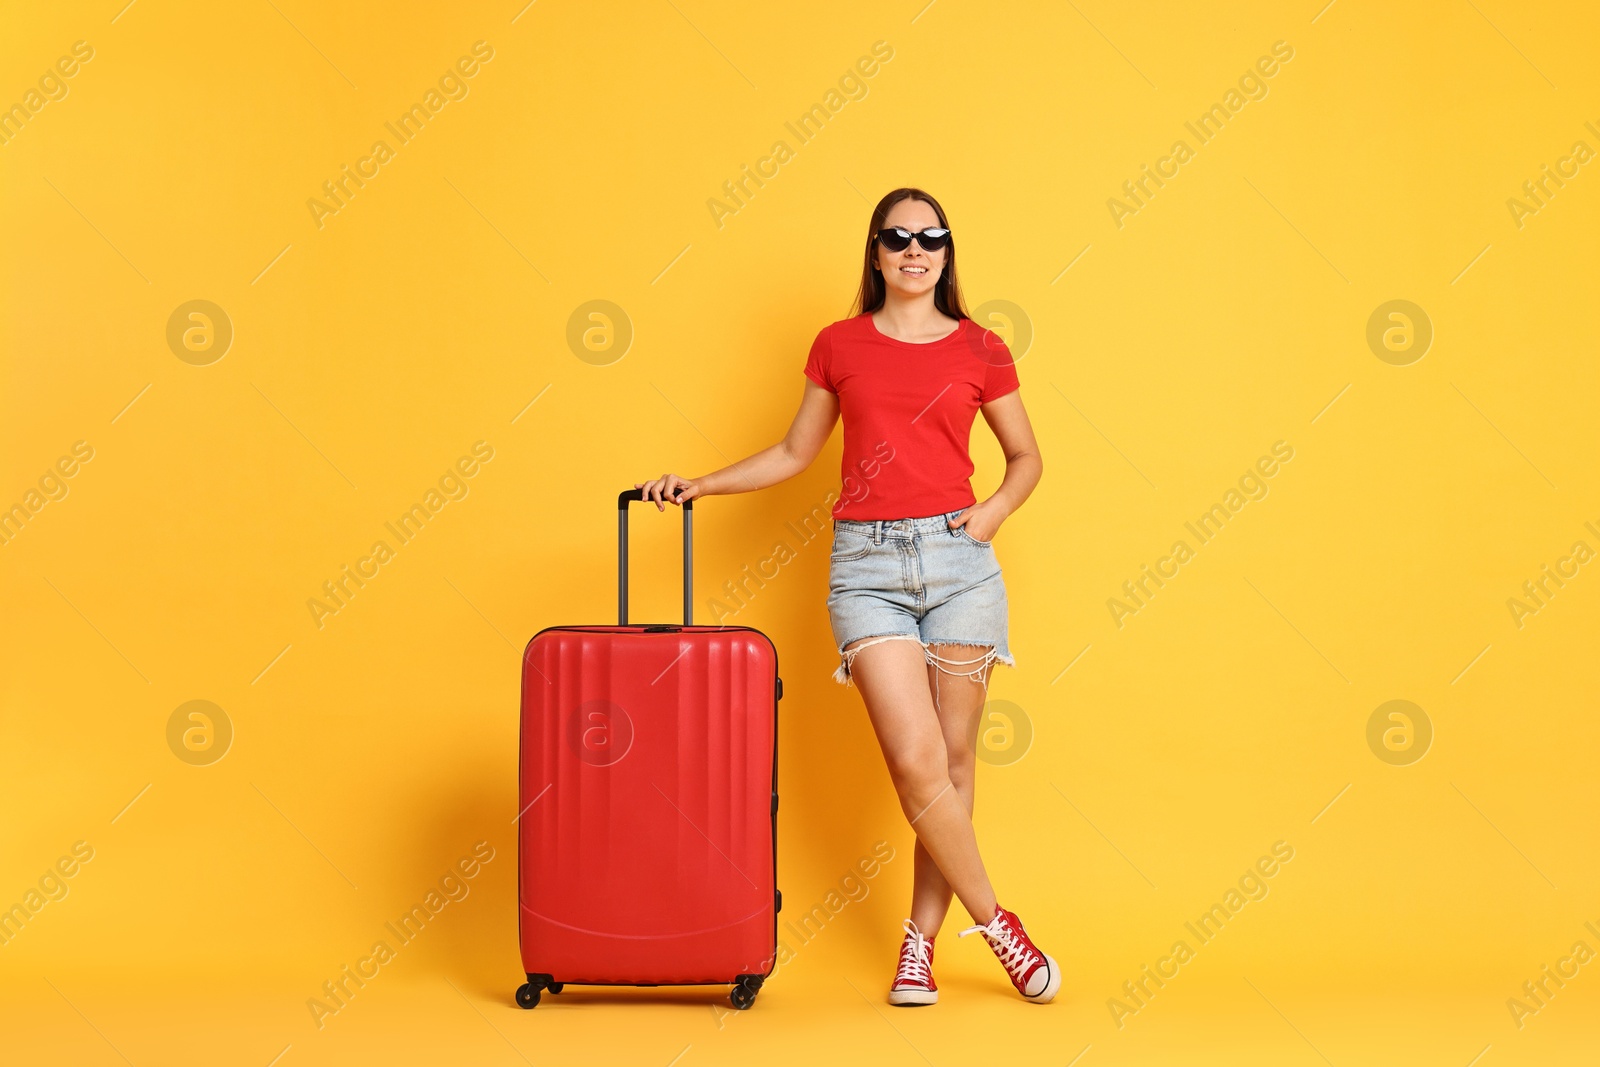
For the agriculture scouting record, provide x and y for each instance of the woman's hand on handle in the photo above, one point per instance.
(669, 488)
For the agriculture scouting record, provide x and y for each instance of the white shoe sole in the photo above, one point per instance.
(912, 998)
(1047, 994)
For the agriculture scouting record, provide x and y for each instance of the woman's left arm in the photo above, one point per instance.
(1009, 420)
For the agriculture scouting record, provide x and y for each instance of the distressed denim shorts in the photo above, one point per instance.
(917, 579)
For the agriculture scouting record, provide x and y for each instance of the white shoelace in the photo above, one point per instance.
(1012, 950)
(915, 966)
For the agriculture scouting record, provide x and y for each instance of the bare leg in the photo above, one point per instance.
(959, 701)
(892, 676)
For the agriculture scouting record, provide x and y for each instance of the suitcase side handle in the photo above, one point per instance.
(623, 500)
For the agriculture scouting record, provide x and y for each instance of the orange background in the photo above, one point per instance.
(1164, 356)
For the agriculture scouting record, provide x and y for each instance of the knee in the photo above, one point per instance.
(961, 762)
(920, 771)
(929, 792)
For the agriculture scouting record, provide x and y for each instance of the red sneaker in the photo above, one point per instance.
(913, 980)
(1035, 975)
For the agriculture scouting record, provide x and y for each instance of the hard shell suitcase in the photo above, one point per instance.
(648, 800)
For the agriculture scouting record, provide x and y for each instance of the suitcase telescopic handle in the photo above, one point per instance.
(623, 500)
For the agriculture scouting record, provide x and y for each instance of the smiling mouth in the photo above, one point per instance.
(918, 271)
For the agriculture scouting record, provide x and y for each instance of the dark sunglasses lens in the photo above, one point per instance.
(894, 240)
(933, 239)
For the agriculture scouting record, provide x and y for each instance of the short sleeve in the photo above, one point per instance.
(819, 364)
(1001, 375)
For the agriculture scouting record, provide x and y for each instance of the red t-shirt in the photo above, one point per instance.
(908, 411)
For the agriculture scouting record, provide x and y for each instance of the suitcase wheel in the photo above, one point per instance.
(528, 996)
(555, 987)
(744, 991)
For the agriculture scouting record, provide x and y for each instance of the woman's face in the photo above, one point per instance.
(912, 272)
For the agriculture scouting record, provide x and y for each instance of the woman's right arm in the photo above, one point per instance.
(819, 411)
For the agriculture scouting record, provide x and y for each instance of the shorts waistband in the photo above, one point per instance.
(907, 529)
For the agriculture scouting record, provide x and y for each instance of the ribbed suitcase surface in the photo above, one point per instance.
(647, 779)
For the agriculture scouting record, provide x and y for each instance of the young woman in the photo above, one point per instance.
(915, 592)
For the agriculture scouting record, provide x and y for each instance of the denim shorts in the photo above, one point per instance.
(917, 579)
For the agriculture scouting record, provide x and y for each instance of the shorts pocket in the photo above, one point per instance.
(962, 530)
(849, 545)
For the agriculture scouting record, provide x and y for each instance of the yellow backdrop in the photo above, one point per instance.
(331, 333)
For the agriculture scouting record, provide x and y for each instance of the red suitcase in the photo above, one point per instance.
(648, 800)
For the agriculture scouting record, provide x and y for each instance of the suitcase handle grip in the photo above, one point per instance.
(623, 500)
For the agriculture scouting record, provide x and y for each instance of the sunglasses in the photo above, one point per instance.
(930, 240)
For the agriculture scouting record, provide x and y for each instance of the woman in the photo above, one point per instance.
(916, 599)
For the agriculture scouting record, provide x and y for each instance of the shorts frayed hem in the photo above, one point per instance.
(841, 674)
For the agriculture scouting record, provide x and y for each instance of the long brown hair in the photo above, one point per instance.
(946, 291)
